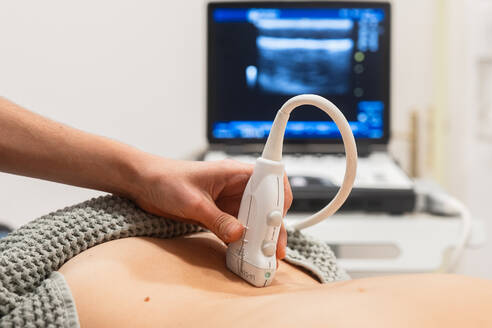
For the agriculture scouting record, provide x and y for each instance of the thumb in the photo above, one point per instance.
(224, 225)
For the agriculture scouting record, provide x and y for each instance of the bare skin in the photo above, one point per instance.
(207, 193)
(149, 282)
(138, 282)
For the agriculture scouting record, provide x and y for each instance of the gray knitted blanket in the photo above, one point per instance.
(29, 256)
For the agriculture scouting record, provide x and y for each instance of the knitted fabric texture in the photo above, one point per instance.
(314, 255)
(30, 254)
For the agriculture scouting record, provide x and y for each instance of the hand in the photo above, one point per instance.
(206, 193)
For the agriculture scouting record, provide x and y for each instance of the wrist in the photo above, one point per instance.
(130, 177)
(141, 172)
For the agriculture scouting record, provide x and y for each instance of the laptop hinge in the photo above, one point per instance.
(363, 149)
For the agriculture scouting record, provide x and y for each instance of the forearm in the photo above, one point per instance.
(34, 146)
(208, 193)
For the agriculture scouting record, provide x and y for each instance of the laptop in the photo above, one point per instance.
(260, 54)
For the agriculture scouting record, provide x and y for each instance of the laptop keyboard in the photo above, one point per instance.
(377, 171)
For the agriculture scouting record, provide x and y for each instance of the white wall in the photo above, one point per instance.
(130, 70)
(412, 69)
(469, 142)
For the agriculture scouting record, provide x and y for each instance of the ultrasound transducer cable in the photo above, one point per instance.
(253, 256)
(432, 200)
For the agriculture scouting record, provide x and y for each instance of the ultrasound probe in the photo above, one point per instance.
(261, 210)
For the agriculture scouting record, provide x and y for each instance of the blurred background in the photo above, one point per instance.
(135, 71)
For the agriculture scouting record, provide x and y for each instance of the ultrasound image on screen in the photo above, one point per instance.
(260, 57)
(304, 56)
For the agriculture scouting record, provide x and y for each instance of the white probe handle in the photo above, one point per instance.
(261, 210)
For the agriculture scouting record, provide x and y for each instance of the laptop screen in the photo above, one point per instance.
(260, 54)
